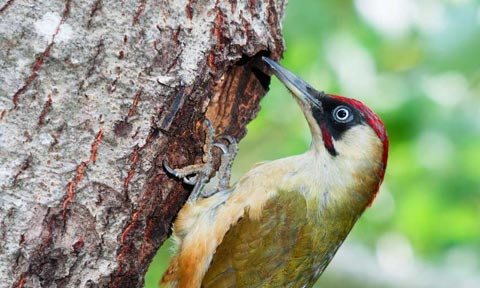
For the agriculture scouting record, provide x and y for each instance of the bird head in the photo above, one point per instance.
(344, 131)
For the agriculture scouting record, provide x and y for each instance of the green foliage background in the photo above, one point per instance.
(417, 64)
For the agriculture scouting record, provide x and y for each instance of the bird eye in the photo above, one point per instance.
(342, 114)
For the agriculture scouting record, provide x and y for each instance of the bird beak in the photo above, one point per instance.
(309, 100)
(299, 88)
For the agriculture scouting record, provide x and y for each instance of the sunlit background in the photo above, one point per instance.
(416, 63)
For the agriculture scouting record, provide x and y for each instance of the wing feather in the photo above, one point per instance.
(273, 251)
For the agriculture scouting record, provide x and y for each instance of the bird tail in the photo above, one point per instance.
(170, 277)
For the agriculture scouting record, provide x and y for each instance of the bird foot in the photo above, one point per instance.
(199, 174)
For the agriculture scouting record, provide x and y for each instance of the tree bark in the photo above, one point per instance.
(94, 95)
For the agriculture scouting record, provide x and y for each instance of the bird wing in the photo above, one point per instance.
(282, 248)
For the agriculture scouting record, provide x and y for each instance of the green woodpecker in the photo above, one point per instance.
(282, 223)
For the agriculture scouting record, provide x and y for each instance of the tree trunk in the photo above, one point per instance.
(93, 96)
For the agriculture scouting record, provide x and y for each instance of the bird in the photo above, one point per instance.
(281, 224)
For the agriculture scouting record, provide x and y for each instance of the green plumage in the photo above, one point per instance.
(289, 246)
(251, 239)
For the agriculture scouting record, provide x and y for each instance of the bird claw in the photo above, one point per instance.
(228, 138)
(222, 147)
(203, 171)
(190, 181)
(183, 173)
(170, 170)
(229, 154)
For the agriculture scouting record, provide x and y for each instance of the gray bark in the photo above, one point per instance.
(94, 95)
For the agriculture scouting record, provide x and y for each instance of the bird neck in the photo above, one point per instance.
(333, 182)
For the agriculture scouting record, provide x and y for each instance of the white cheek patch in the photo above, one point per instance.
(358, 143)
(356, 149)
